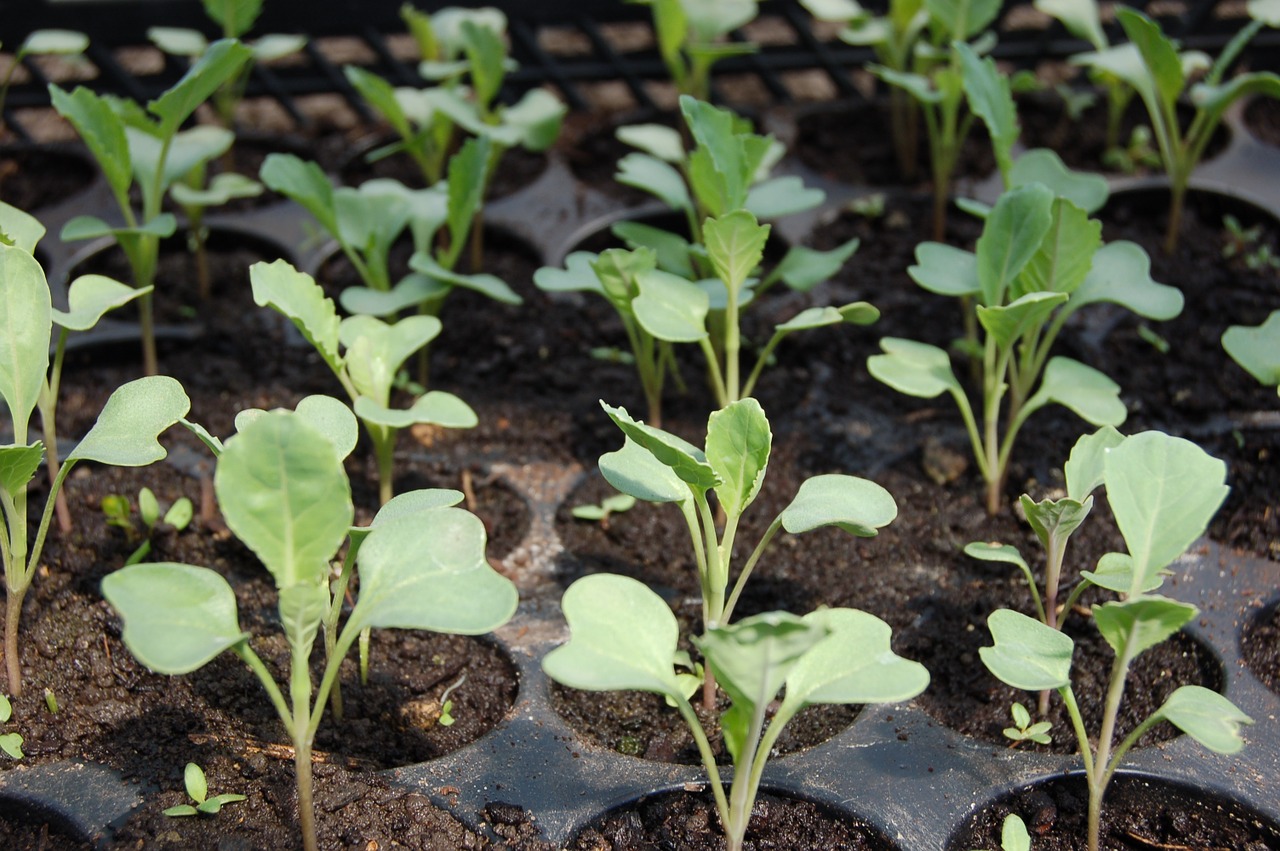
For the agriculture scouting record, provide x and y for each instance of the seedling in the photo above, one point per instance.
(132, 144)
(50, 701)
(10, 743)
(235, 18)
(1163, 491)
(1025, 731)
(1257, 349)
(118, 513)
(1013, 833)
(692, 38)
(50, 42)
(1039, 260)
(1151, 64)
(283, 491)
(446, 705)
(124, 434)
(623, 636)
(197, 788)
(656, 466)
(616, 504)
(195, 198)
(364, 354)
(1245, 243)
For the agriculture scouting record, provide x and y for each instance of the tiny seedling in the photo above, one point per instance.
(1040, 259)
(125, 433)
(1245, 244)
(1151, 64)
(1013, 833)
(1257, 349)
(1163, 491)
(1137, 154)
(446, 705)
(50, 42)
(623, 636)
(10, 743)
(1025, 731)
(692, 37)
(147, 147)
(656, 466)
(119, 514)
(365, 354)
(284, 492)
(50, 701)
(616, 504)
(197, 788)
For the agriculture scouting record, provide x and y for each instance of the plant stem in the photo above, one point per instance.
(306, 807)
(13, 614)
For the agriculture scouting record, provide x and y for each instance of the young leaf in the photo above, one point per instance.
(1121, 274)
(219, 63)
(1093, 396)
(1007, 322)
(1012, 235)
(738, 442)
(102, 131)
(735, 244)
(18, 465)
(193, 780)
(858, 506)
(1003, 553)
(635, 471)
(1065, 257)
(804, 268)
(1042, 165)
(126, 432)
(782, 196)
(657, 140)
(670, 308)
(296, 294)
(176, 616)
(19, 229)
(25, 321)
(687, 460)
(436, 407)
(1135, 625)
(1257, 348)
(916, 369)
(304, 182)
(1085, 468)
(945, 270)
(1207, 717)
(1027, 654)
(1114, 572)
(656, 177)
(90, 297)
(1161, 63)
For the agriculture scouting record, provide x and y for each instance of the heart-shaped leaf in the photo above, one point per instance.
(946, 270)
(804, 268)
(634, 471)
(858, 506)
(1121, 274)
(90, 297)
(1207, 717)
(1027, 654)
(489, 285)
(1136, 625)
(134, 416)
(782, 196)
(1093, 396)
(1042, 165)
(916, 369)
(670, 308)
(435, 407)
(1257, 348)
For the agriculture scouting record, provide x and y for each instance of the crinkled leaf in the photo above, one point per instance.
(1093, 396)
(1055, 519)
(285, 494)
(302, 609)
(91, 296)
(687, 460)
(658, 178)
(176, 617)
(916, 369)
(670, 308)
(1121, 274)
(436, 407)
(1010, 238)
(1085, 468)
(735, 245)
(621, 636)
(26, 319)
(1027, 654)
(1135, 625)
(126, 432)
(738, 443)
(804, 268)
(1006, 323)
(858, 506)
(1163, 492)
(1207, 717)
(296, 295)
(1257, 348)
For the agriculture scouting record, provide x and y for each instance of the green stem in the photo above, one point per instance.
(48, 403)
(750, 565)
(13, 613)
(306, 806)
(713, 371)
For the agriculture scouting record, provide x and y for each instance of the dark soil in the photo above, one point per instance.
(1137, 815)
(690, 823)
(35, 178)
(592, 150)
(1262, 117)
(1260, 645)
(851, 143)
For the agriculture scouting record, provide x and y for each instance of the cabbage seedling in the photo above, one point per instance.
(1257, 349)
(283, 491)
(692, 35)
(124, 434)
(49, 42)
(1163, 491)
(1039, 260)
(364, 354)
(623, 636)
(656, 466)
(197, 789)
(1151, 64)
(147, 147)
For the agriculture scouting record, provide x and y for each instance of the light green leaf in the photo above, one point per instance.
(176, 617)
(51, 42)
(1080, 17)
(91, 296)
(275, 46)
(1055, 519)
(813, 317)
(670, 308)
(411, 290)
(284, 493)
(406, 505)
(660, 179)
(538, 117)
(1013, 832)
(673, 251)
(1006, 323)
(945, 270)
(634, 471)
(489, 285)
(19, 229)
(236, 17)
(804, 268)
(578, 275)
(858, 506)
(92, 227)
(1042, 165)
(990, 98)
(222, 61)
(1085, 468)
(1010, 238)
(735, 245)
(25, 324)
(303, 182)
(223, 188)
(1121, 274)
(428, 570)
(1002, 553)
(657, 140)
(1256, 348)
(738, 442)
(1207, 717)
(126, 432)
(296, 295)
(687, 460)
(331, 418)
(1093, 396)
(1065, 256)
(302, 608)
(963, 19)
(18, 465)
(622, 636)
(376, 350)
(1159, 55)
(1114, 572)
(916, 369)
(436, 407)
(782, 196)
(1027, 654)
(1136, 625)
(11, 744)
(178, 41)
(102, 131)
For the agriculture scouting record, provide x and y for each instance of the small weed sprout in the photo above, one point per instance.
(10, 743)
(119, 514)
(616, 504)
(197, 789)
(1025, 731)
(1013, 833)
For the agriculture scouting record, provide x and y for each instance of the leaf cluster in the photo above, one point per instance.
(691, 37)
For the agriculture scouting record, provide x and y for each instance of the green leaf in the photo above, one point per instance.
(1135, 625)
(405, 505)
(1163, 492)
(188, 149)
(302, 608)
(467, 177)
(1065, 256)
(1006, 323)
(738, 442)
(809, 318)
(724, 165)
(1114, 572)
(181, 810)
(126, 432)
(858, 506)
(222, 61)
(578, 275)
(102, 131)
(488, 285)
(11, 744)
(735, 245)
(916, 85)
(176, 617)
(1159, 55)
(92, 227)
(621, 636)
(673, 251)
(381, 95)
(303, 182)
(25, 325)
(90, 297)
(686, 460)
(782, 196)
(428, 570)
(19, 229)
(1080, 17)
(236, 17)
(916, 369)
(1093, 396)
(284, 493)
(1002, 553)
(538, 117)
(376, 350)
(963, 19)
(18, 465)
(1042, 165)
(853, 664)
(1055, 519)
(1013, 833)
(658, 178)
(326, 414)
(1207, 717)
(223, 188)
(991, 100)
(296, 295)
(1027, 654)
(54, 42)
(1121, 274)
(804, 268)
(1256, 348)
(1085, 468)
(275, 46)
(435, 407)
(670, 308)
(411, 290)
(193, 781)
(657, 140)
(634, 471)
(1010, 238)
(945, 270)
(215, 804)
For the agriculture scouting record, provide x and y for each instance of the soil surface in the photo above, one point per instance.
(1260, 645)
(1137, 815)
(32, 178)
